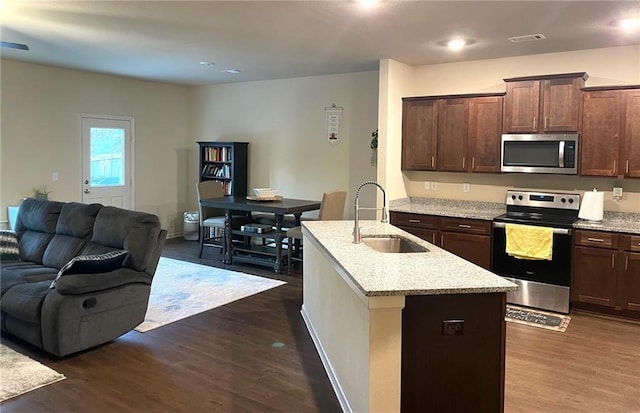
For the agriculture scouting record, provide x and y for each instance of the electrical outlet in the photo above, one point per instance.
(434, 186)
(465, 187)
(617, 193)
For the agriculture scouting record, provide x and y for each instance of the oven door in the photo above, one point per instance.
(542, 283)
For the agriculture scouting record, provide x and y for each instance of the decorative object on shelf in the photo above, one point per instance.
(41, 193)
(334, 123)
(374, 148)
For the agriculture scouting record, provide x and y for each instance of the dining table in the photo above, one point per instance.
(278, 206)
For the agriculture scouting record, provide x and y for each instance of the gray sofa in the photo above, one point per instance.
(99, 301)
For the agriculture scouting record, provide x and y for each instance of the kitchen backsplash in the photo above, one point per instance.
(492, 188)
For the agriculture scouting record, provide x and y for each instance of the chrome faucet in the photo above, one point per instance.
(356, 228)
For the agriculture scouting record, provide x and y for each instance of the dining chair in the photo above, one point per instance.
(331, 209)
(212, 219)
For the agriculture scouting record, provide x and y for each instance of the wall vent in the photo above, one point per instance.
(527, 38)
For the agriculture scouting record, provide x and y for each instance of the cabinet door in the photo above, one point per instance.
(630, 156)
(629, 281)
(453, 128)
(485, 128)
(474, 248)
(419, 134)
(594, 276)
(521, 107)
(561, 105)
(599, 145)
(428, 235)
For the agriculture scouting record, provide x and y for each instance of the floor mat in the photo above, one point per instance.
(537, 318)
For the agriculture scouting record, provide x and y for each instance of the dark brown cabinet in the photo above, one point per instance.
(606, 272)
(610, 143)
(453, 130)
(485, 129)
(541, 104)
(452, 133)
(419, 134)
(467, 238)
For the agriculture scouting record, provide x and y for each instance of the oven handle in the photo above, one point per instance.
(562, 231)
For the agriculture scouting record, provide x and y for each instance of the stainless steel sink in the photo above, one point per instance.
(392, 244)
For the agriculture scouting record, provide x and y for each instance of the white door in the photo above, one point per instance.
(107, 161)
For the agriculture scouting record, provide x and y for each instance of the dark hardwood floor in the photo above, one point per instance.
(255, 355)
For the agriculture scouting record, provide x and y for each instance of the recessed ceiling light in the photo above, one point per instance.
(630, 24)
(456, 44)
(208, 64)
(231, 71)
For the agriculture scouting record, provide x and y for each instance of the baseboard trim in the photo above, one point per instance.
(342, 398)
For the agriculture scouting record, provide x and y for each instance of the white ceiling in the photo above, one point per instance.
(166, 40)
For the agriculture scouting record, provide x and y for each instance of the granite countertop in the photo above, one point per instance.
(448, 208)
(385, 274)
(612, 221)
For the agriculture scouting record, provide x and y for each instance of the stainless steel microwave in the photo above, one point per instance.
(540, 153)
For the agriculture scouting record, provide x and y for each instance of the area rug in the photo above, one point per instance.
(20, 374)
(181, 289)
(536, 318)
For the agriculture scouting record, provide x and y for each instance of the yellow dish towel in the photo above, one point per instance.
(529, 242)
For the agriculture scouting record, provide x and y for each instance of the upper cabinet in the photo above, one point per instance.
(543, 104)
(419, 134)
(458, 133)
(610, 141)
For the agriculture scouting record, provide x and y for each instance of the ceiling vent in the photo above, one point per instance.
(527, 38)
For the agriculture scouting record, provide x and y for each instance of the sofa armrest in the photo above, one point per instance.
(76, 284)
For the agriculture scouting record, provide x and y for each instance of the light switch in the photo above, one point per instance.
(434, 186)
(54, 176)
(465, 187)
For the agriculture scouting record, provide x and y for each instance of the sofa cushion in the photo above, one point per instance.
(35, 226)
(73, 231)
(24, 301)
(9, 250)
(92, 264)
(21, 272)
(116, 228)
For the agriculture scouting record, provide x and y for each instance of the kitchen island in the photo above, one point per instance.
(417, 331)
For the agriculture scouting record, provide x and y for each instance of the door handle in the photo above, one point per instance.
(415, 221)
(86, 191)
(86, 182)
(464, 226)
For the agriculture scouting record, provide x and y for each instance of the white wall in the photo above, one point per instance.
(40, 134)
(284, 121)
(610, 66)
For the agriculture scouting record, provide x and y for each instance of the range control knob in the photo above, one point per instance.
(513, 197)
(520, 197)
(563, 200)
(571, 200)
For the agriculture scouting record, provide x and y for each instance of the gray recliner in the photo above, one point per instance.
(80, 310)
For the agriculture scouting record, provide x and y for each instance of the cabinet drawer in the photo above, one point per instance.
(404, 219)
(468, 226)
(596, 239)
(632, 243)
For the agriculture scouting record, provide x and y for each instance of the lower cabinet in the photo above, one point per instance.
(467, 238)
(606, 272)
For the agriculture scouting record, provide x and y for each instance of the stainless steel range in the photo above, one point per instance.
(543, 284)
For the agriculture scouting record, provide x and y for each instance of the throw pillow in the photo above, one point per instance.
(9, 250)
(92, 264)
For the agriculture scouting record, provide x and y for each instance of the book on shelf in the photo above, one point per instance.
(256, 228)
(217, 154)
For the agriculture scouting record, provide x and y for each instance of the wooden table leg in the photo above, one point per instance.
(277, 266)
(228, 237)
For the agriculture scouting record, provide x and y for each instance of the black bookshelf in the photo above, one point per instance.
(225, 162)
